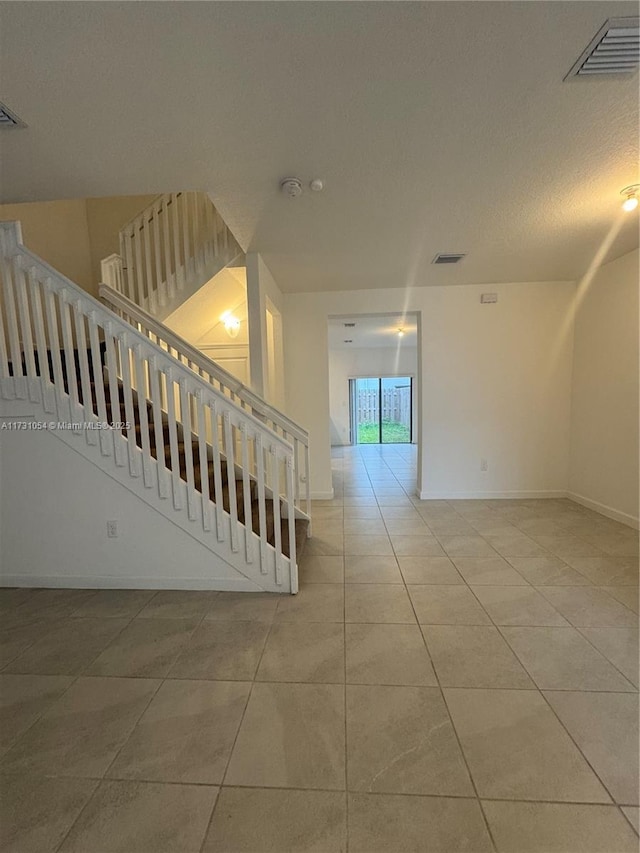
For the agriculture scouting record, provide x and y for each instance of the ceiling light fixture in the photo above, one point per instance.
(630, 194)
(231, 324)
(401, 333)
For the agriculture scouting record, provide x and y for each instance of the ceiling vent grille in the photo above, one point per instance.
(447, 258)
(349, 325)
(9, 119)
(614, 50)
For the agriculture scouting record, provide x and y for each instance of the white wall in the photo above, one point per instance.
(346, 364)
(54, 506)
(496, 383)
(604, 398)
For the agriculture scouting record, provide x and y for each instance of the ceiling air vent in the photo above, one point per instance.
(444, 258)
(614, 50)
(349, 325)
(9, 119)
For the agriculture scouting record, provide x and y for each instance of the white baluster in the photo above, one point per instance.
(25, 331)
(173, 439)
(231, 479)
(246, 493)
(114, 393)
(203, 460)
(158, 429)
(85, 382)
(291, 519)
(277, 528)
(98, 382)
(185, 417)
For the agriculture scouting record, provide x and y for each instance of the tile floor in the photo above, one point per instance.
(453, 676)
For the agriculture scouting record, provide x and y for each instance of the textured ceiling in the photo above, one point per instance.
(436, 126)
(373, 331)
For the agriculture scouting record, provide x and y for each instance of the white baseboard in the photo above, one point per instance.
(603, 509)
(471, 496)
(111, 582)
(323, 496)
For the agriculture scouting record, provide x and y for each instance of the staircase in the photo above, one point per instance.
(168, 251)
(184, 436)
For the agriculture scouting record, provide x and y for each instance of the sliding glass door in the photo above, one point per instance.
(381, 410)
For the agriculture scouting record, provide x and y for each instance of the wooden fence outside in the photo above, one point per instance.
(396, 405)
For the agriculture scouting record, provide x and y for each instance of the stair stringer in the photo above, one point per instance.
(48, 406)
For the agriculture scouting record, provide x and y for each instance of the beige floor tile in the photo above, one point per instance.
(515, 546)
(321, 570)
(24, 698)
(367, 512)
(13, 597)
(607, 571)
(400, 513)
(429, 570)
(488, 571)
(223, 651)
(115, 603)
(144, 817)
(327, 546)
(146, 648)
(328, 513)
(416, 546)
(17, 636)
(627, 595)
(518, 605)
(447, 605)
(371, 570)
(312, 651)
(292, 736)
(54, 603)
(400, 741)
(247, 820)
(551, 571)
(388, 823)
(362, 500)
(377, 603)
(243, 607)
(185, 735)
(370, 545)
(314, 603)
(37, 813)
(567, 546)
(473, 656)
(561, 659)
(589, 606)
(364, 527)
(466, 546)
(395, 500)
(178, 604)
(632, 813)
(558, 828)
(406, 527)
(387, 654)
(517, 749)
(82, 732)
(605, 727)
(69, 648)
(619, 645)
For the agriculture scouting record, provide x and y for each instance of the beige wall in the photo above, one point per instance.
(57, 231)
(74, 235)
(604, 399)
(105, 218)
(495, 383)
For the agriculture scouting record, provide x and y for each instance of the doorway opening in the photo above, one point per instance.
(381, 410)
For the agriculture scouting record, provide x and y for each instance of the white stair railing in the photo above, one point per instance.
(224, 381)
(63, 349)
(171, 247)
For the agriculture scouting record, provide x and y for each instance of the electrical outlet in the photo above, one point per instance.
(112, 529)
(483, 465)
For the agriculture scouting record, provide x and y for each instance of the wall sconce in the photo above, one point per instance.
(231, 324)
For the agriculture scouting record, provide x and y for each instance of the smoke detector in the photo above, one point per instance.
(291, 187)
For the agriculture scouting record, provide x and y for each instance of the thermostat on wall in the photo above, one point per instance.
(489, 297)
